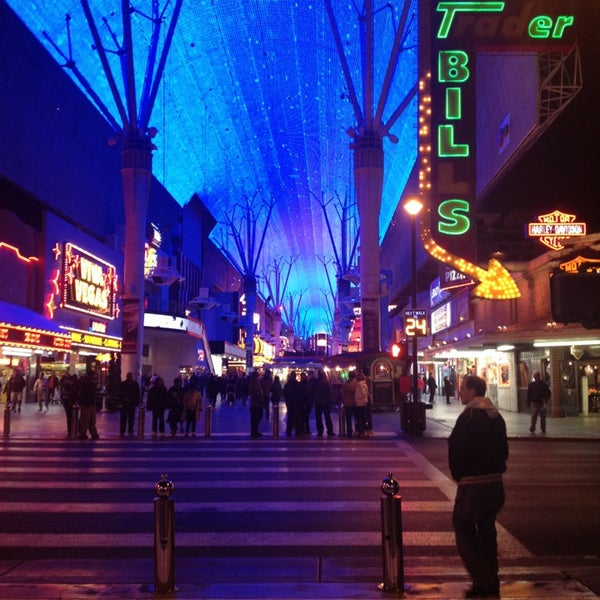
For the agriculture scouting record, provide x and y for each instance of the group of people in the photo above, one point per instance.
(304, 394)
(68, 390)
(178, 406)
(357, 405)
(429, 384)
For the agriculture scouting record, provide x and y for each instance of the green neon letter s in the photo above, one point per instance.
(454, 214)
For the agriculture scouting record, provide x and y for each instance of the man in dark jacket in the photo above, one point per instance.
(130, 398)
(87, 404)
(322, 396)
(256, 403)
(538, 393)
(477, 454)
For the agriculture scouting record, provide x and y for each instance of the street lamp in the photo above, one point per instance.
(413, 207)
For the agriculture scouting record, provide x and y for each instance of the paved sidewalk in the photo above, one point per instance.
(235, 420)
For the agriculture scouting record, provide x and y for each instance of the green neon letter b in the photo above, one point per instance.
(452, 66)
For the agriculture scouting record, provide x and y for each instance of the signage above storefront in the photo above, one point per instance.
(553, 228)
(83, 282)
(26, 337)
(447, 118)
(95, 341)
(581, 264)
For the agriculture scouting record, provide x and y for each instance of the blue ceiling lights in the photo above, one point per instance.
(253, 104)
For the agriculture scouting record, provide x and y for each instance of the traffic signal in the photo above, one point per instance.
(400, 350)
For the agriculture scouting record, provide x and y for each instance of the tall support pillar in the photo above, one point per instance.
(136, 173)
(250, 292)
(368, 181)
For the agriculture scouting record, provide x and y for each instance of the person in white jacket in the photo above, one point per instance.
(361, 399)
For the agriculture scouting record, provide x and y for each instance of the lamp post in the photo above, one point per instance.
(413, 207)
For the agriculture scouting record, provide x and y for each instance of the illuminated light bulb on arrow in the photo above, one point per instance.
(495, 283)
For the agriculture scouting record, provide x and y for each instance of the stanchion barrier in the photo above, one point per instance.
(275, 419)
(75, 421)
(141, 419)
(7, 411)
(342, 420)
(391, 537)
(164, 537)
(207, 421)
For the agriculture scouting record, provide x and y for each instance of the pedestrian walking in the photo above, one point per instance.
(192, 405)
(348, 393)
(448, 389)
(256, 403)
(40, 391)
(175, 405)
(157, 403)
(293, 395)
(68, 395)
(306, 385)
(129, 400)
(477, 454)
(86, 398)
(432, 387)
(361, 399)
(266, 382)
(322, 399)
(14, 390)
(538, 394)
(276, 391)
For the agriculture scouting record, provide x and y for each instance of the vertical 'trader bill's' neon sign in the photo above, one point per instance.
(459, 29)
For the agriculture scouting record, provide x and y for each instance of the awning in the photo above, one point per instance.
(13, 314)
(25, 328)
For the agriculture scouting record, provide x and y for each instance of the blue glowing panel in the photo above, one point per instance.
(253, 104)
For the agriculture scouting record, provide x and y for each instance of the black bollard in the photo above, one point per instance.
(7, 419)
(275, 419)
(391, 537)
(164, 537)
(75, 421)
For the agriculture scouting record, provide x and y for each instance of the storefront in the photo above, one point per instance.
(29, 342)
(174, 345)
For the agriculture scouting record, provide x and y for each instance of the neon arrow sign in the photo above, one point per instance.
(495, 283)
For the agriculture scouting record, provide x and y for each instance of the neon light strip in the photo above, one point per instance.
(27, 259)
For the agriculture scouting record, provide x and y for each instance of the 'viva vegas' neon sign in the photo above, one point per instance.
(89, 283)
(459, 28)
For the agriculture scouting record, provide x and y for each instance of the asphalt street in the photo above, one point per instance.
(281, 517)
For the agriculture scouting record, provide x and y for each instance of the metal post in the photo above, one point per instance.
(391, 537)
(7, 419)
(207, 420)
(141, 419)
(164, 537)
(342, 420)
(75, 421)
(275, 419)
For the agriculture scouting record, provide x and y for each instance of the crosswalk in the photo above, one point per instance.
(305, 501)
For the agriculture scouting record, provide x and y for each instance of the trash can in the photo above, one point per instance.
(412, 417)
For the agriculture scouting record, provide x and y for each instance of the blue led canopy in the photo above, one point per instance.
(253, 104)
